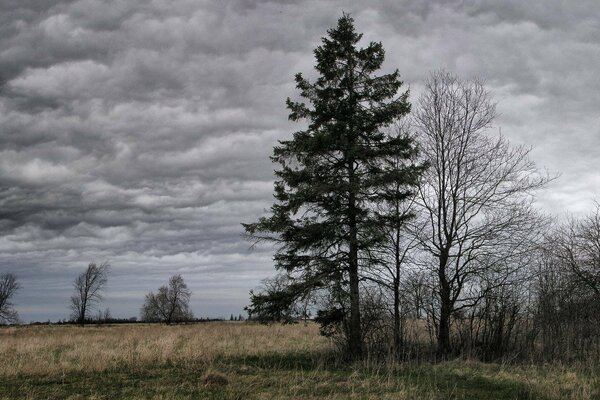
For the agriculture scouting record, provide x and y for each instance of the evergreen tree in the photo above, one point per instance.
(331, 176)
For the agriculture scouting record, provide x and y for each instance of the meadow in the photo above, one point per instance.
(249, 361)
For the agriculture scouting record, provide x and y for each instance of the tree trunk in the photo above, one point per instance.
(397, 330)
(443, 343)
(82, 316)
(355, 335)
(444, 348)
(355, 339)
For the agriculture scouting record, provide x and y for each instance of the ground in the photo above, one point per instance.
(248, 361)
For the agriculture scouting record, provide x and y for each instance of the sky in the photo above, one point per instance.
(138, 132)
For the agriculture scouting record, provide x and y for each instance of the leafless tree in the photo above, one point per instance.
(170, 304)
(390, 260)
(395, 257)
(476, 195)
(400, 212)
(567, 289)
(88, 291)
(577, 245)
(566, 322)
(103, 316)
(8, 287)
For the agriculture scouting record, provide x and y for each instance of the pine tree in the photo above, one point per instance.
(331, 176)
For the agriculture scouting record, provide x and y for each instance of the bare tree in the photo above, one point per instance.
(399, 211)
(577, 245)
(88, 287)
(567, 289)
(476, 195)
(103, 316)
(8, 287)
(170, 304)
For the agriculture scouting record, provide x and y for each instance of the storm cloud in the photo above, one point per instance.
(139, 132)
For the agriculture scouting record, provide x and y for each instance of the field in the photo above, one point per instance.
(247, 361)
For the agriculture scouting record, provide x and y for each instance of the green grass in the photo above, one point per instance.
(281, 376)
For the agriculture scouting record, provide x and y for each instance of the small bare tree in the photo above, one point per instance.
(568, 289)
(8, 287)
(399, 210)
(170, 304)
(577, 245)
(88, 287)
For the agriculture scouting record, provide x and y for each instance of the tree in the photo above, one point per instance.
(8, 288)
(577, 245)
(268, 305)
(476, 196)
(88, 291)
(398, 210)
(332, 174)
(567, 289)
(103, 316)
(170, 304)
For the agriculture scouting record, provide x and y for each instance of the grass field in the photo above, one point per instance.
(246, 361)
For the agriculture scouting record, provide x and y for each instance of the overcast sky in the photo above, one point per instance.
(139, 132)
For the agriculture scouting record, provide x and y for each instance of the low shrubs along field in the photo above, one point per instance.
(248, 361)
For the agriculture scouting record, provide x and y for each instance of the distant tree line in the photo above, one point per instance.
(170, 305)
(117, 321)
(415, 234)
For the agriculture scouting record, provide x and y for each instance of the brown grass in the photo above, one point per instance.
(215, 379)
(56, 350)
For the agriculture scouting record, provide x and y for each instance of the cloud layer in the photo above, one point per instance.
(140, 132)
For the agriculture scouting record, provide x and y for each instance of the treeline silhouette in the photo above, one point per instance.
(117, 321)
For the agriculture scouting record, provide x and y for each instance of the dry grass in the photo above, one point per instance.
(55, 350)
(236, 360)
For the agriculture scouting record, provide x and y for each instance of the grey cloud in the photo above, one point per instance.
(546, 15)
(140, 132)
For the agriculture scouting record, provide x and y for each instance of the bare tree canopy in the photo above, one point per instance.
(170, 304)
(476, 196)
(8, 287)
(88, 291)
(577, 245)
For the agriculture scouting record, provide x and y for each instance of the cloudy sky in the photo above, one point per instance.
(139, 132)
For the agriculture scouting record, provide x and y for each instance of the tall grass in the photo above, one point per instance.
(54, 350)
